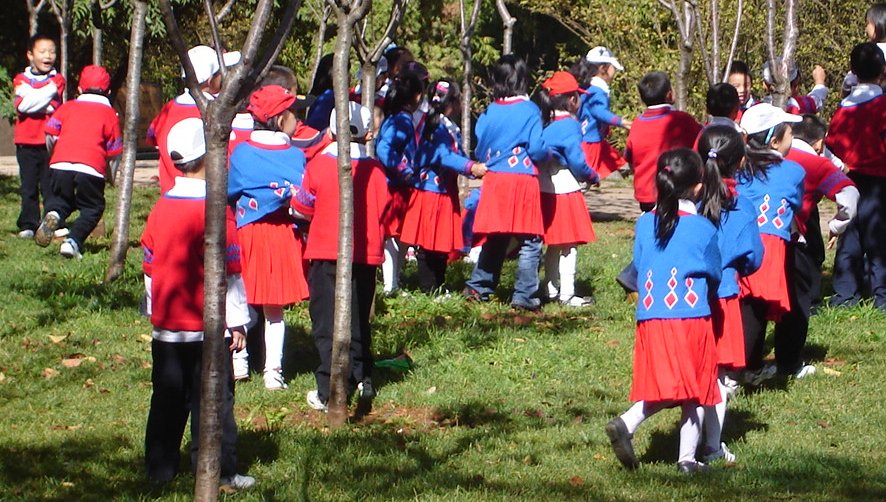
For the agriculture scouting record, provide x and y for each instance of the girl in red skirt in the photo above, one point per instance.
(566, 219)
(676, 255)
(433, 221)
(265, 170)
(741, 251)
(774, 185)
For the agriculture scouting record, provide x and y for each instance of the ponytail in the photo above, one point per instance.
(550, 104)
(723, 149)
(441, 94)
(679, 171)
(402, 93)
(759, 154)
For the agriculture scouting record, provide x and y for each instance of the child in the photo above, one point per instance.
(797, 103)
(318, 114)
(676, 253)
(84, 135)
(318, 201)
(173, 268)
(432, 222)
(509, 141)
(564, 212)
(595, 117)
(740, 78)
(775, 187)
(722, 104)
(395, 149)
(741, 252)
(264, 173)
(38, 93)
(660, 128)
(856, 136)
(205, 62)
(875, 29)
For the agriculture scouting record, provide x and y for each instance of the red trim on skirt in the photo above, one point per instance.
(728, 332)
(566, 219)
(393, 217)
(509, 204)
(602, 157)
(769, 283)
(271, 257)
(675, 360)
(433, 222)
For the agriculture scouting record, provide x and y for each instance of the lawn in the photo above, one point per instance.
(499, 405)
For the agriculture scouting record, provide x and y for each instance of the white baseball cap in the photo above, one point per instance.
(381, 67)
(231, 58)
(793, 72)
(601, 55)
(360, 119)
(185, 141)
(205, 62)
(763, 116)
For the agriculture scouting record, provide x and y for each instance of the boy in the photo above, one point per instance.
(797, 103)
(856, 136)
(84, 141)
(658, 129)
(318, 201)
(205, 62)
(173, 268)
(38, 92)
(722, 104)
(740, 78)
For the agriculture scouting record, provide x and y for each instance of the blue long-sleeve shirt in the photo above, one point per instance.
(775, 196)
(440, 159)
(741, 249)
(563, 136)
(396, 147)
(594, 115)
(509, 136)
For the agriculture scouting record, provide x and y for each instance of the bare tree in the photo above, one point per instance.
(224, 11)
(323, 19)
(348, 14)
(467, 33)
(779, 65)
(217, 116)
(508, 21)
(62, 11)
(709, 42)
(34, 8)
(130, 142)
(739, 12)
(686, 16)
(98, 28)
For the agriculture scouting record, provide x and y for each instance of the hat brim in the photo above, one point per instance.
(302, 102)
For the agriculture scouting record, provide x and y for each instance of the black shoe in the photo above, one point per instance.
(473, 295)
(690, 468)
(533, 306)
(365, 395)
(621, 443)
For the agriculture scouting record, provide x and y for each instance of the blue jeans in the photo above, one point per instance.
(487, 270)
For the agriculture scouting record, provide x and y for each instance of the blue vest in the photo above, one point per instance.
(262, 179)
(776, 196)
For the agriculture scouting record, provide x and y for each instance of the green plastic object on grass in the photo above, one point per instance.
(399, 363)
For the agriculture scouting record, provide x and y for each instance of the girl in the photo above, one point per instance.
(509, 141)
(566, 219)
(875, 31)
(741, 251)
(775, 188)
(395, 149)
(676, 254)
(265, 170)
(595, 117)
(318, 115)
(433, 222)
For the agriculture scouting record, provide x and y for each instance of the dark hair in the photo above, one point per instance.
(38, 37)
(811, 129)
(441, 94)
(759, 154)
(654, 88)
(722, 100)
(279, 75)
(187, 167)
(583, 71)
(876, 15)
(739, 67)
(721, 148)
(97, 91)
(323, 78)
(550, 104)
(402, 93)
(510, 77)
(394, 57)
(679, 170)
(866, 61)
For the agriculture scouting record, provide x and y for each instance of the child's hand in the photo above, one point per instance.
(478, 170)
(627, 123)
(832, 240)
(238, 340)
(819, 76)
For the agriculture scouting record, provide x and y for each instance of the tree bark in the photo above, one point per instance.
(467, 91)
(779, 66)
(34, 8)
(321, 40)
(130, 142)
(508, 22)
(62, 10)
(686, 26)
(739, 11)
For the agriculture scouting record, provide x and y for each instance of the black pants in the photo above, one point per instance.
(33, 170)
(176, 376)
(431, 270)
(321, 283)
(73, 191)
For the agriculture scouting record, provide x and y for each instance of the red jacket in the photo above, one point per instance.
(29, 125)
(173, 112)
(858, 136)
(88, 132)
(823, 179)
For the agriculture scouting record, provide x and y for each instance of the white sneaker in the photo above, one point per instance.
(553, 291)
(313, 399)
(577, 301)
(26, 234)
(241, 366)
(238, 481)
(805, 371)
(61, 232)
(46, 230)
(722, 453)
(274, 380)
(731, 386)
(70, 249)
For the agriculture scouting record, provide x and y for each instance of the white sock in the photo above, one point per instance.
(390, 268)
(274, 333)
(640, 411)
(714, 417)
(552, 271)
(568, 260)
(690, 431)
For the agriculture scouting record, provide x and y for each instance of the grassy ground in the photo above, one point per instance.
(499, 406)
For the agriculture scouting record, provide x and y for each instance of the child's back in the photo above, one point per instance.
(509, 136)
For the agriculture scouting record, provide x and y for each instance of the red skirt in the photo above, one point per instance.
(603, 157)
(675, 360)
(566, 219)
(271, 253)
(509, 204)
(728, 332)
(393, 219)
(433, 222)
(769, 283)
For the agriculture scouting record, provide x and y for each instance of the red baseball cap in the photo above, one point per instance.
(562, 82)
(95, 77)
(270, 101)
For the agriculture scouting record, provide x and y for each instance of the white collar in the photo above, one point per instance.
(29, 72)
(189, 188)
(243, 121)
(270, 138)
(358, 150)
(687, 206)
(656, 107)
(562, 113)
(602, 84)
(799, 144)
(862, 93)
(185, 98)
(725, 121)
(94, 98)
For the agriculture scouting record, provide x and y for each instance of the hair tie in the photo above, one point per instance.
(667, 168)
(712, 153)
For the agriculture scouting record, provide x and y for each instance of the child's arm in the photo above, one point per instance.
(236, 311)
(536, 147)
(301, 204)
(445, 156)
(575, 156)
(819, 92)
(599, 110)
(391, 147)
(35, 100)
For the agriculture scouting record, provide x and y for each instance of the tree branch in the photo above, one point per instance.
(739, 12)
(508, 21)
(216, 39)
(276, 44)
(178, 43)
(225, 10)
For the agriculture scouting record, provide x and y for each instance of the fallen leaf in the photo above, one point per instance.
(612, 343)
(227, 489)
(145, 338)
(599, 456)
(527, 459)
(104, 391)
(57, 338)
(576, 481)
(828, 371)
(832, 361)
(71, 362)
(431, 390)
(67, 484)
(823, 424)
(65, 427)
(88, 383)
(50, 373)
(146, 364)
(487, 316)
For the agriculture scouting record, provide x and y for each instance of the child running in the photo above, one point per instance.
(595, 117)
(564, 212)
(678, 259)
(265, 171)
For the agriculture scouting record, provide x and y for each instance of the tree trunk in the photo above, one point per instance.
(779, 66)
(321, 40)
(681, 86)
(739, 10)
(130, 143)
(34, 8)
(467, 92)
(62, 10)
(508, 22)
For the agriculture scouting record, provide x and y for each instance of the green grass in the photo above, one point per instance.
(499, 406)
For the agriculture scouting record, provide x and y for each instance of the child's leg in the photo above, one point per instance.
(395, 251)
(321, 281)
(171, 381)
(848, 268)
(431, 270)
(275, 331)
(526, 281)
(33, 170)
(753, 318)
(715, 416)
(89, 199)
(363, 285)
(568, 264)
(640, 411)
(872, 228)
(791, 330)
(487, 268)
(690, 431)
(552, 271)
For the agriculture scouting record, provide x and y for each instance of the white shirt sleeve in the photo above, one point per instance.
(819, 94)
(837, 161)
(847, 203)
(35, 100)
(148, 308)
(236, 308)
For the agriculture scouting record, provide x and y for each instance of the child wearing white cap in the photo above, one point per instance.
(595, 117)
(797, 103)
